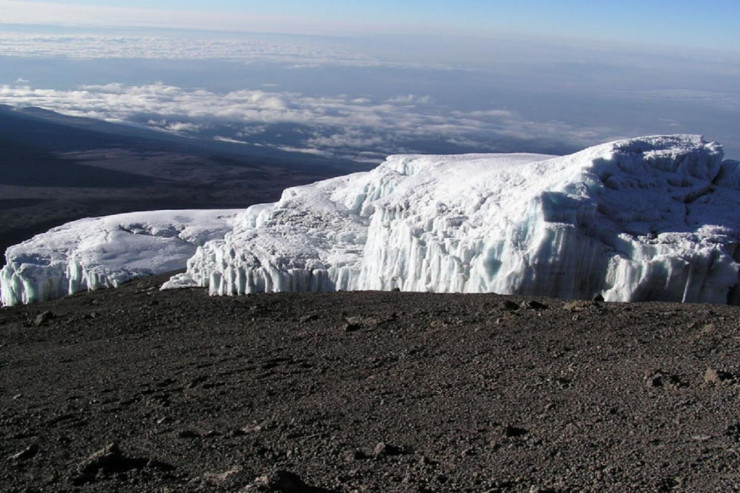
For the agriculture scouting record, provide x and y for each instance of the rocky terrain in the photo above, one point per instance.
(134, 389)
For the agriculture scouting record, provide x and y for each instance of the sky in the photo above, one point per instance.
(360, 80)
(683, 23)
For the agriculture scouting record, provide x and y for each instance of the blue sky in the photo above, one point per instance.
(680, 23)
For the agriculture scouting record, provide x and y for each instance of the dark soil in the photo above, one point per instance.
(134, 389)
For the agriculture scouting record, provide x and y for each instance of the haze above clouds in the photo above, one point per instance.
(711, 23)
(362, 79)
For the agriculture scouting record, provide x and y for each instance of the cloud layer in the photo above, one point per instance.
(360, 128)
(163, 47)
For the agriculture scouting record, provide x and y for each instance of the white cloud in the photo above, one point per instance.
(303, 150)
(176, 127)
(244, 48)
(342, 125)
(229, 140)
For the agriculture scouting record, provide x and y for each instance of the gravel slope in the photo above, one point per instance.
(134, 389)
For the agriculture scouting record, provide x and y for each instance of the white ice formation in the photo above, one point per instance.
(652, 218)
(106, 251)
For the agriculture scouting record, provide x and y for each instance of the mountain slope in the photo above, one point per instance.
(367, 391)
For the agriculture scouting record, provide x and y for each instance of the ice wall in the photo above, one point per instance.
(105, 251)
(653, 218)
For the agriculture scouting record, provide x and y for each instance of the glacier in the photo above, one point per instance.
(103, 252)
(650, 218)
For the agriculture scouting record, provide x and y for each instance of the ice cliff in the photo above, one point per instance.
(653, 218)
(104, 252)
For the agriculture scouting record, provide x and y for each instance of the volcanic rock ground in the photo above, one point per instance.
(133, 389)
